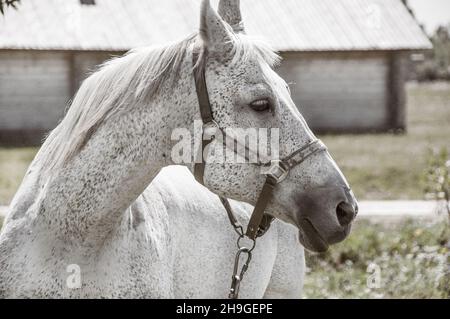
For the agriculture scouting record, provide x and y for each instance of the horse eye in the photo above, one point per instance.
(260, 105)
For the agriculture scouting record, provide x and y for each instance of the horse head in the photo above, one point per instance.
(245, 92)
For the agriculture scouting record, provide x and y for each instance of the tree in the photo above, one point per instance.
(441, 43)
(8, 3)
(436, 65)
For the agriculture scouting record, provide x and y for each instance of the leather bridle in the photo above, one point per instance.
(277, 170)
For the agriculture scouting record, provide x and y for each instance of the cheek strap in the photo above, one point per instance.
(275, 171)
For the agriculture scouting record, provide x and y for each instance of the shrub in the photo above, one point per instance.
(406, 260)
(437, 177)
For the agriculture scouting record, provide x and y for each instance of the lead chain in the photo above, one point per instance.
(239, 275)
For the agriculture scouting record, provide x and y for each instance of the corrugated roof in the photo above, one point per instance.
(289, 25)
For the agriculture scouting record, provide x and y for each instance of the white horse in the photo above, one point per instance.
(84, 205)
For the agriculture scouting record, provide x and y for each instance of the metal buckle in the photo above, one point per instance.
(277, 171)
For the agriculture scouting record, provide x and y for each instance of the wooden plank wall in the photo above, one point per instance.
(36, 88)
(338, 91)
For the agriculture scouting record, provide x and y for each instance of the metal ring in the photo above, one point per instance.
(242, 247)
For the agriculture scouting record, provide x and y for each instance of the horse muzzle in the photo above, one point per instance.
(325, 216)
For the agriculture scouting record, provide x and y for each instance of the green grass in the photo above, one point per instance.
(378, 166)
(407, 260)
(13, 165)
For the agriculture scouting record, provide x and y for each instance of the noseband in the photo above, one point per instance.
(276, 171)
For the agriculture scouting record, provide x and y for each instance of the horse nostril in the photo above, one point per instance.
(345, 213)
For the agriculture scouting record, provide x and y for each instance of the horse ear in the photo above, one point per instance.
(213, 30)
(230, 11)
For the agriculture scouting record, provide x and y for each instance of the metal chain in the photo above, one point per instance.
(243, 248)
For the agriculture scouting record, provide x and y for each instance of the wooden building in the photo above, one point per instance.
(345, 59)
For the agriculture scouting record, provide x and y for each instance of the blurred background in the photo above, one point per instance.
(371, 77)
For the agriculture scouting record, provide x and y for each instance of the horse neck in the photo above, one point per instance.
(94, 189)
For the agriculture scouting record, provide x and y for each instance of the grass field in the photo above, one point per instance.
(13, 164)
(406, 260)
(378, 166)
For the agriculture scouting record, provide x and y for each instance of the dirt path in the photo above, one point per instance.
(377, 209)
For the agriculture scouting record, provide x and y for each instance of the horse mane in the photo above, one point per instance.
(123, 82)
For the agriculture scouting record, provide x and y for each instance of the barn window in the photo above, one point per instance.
(88, 2)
